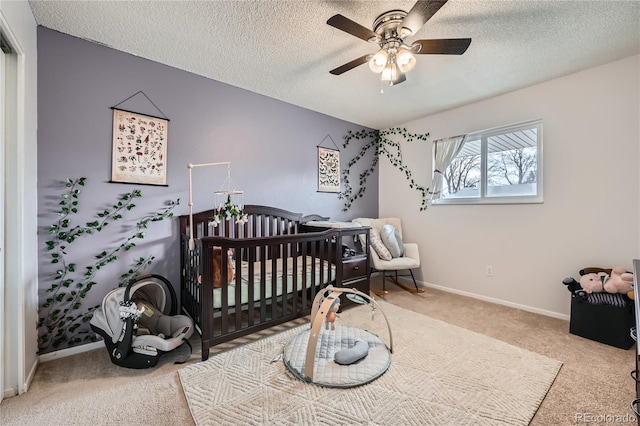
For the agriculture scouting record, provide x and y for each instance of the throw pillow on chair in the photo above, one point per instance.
(392, 240)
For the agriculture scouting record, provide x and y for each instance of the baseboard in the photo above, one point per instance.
(11, 392)
(71, 351)
(31, 375)
(494, 300)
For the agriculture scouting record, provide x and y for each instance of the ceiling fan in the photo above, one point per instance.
(395, 57)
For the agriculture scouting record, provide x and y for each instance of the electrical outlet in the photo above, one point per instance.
(489, 271)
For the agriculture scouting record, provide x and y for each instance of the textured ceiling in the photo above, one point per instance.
(285, 49)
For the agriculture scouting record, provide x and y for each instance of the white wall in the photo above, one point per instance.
(21, 266)
(590, 215)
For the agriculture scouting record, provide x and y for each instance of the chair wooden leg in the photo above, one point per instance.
(404, 287)
(380, 293)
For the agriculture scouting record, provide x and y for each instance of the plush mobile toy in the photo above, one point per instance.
(332, 314)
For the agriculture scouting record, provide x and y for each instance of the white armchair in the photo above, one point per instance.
(403, 256)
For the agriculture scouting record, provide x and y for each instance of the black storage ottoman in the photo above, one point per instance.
(607, 324)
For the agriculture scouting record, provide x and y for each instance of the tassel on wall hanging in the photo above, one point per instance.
(328, 167)
(139, 152)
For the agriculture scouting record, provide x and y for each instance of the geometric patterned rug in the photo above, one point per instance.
(440, 374)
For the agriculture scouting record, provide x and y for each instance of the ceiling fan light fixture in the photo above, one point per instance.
(390, 73)
(405, 60)
(395, 57)
(378, 62)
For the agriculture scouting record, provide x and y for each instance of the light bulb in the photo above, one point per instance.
(390, 72)
(378, 61)
(405, 60)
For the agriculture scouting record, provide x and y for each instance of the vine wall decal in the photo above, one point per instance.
(381, 144)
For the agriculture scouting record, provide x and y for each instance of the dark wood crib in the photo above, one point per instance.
(273, 271)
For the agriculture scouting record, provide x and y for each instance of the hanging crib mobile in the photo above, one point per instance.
(338, 355)
(228, 202)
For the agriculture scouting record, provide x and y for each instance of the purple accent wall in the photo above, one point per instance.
(271, 144)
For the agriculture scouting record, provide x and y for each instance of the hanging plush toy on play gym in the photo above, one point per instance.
(332, 315)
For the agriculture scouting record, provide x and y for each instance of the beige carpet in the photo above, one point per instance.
(440, 375)
(87, 389)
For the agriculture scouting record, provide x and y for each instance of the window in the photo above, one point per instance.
(501, 165)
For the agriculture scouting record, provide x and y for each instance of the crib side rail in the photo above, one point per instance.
(261, 221)
(276, 280)
(190, 294)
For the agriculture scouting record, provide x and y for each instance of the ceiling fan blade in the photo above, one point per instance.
(348, 26)
(443, 46)
(420, 13)
(350, 65)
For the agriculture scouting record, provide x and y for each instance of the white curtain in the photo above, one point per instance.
(444, 151)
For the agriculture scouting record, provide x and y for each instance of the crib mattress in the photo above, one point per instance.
(329, 274)
(327, 372)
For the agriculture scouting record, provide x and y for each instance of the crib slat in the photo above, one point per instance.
(274, 283)
(251, 277)
(224, 304)
(294, 266)
(263, 286)
(238, 293)
(305, 283)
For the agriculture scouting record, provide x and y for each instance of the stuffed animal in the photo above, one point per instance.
(217, 267)
(598, 280)
(573, 286)
(593, 282)
(620, 281)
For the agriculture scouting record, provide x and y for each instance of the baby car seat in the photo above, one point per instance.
(132, 322)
